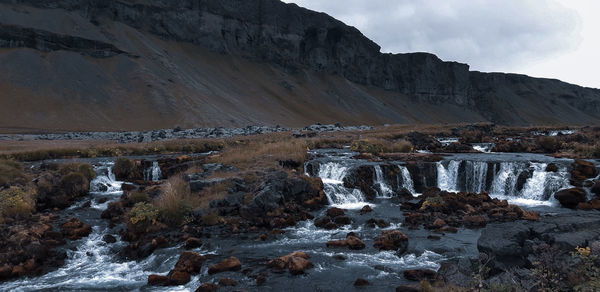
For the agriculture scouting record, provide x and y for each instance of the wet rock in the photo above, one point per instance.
(229, 264)
(207, 287)
(296, 262)
(360, 282)
(551, 167)
(584, 206)
(392, 240)
(420, 274)
(581, 171)
(351, 241)
(113, 211)
(261, 280)
(108, 238)
(595, 189)
(158, 280)
(569, 198)
(193, 242)
(227, 282)
(127, 187)
(377, 222)
(408, 288)
(433, 237)
(335, 212)
(342, 220)
(75, 229)
(366, 209)
(438, 223)
(474, 221)
(188, 264)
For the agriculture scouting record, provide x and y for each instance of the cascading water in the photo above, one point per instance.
(483, 147)
(384, 190)
(152, 173)
(407, 181)
(447, 177)
(475, 176)
(332, 174)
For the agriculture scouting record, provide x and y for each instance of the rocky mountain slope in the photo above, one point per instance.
(144, 64)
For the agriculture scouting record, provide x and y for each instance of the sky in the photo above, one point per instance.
(541, 38)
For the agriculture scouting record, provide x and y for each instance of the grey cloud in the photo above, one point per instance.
(488, 35)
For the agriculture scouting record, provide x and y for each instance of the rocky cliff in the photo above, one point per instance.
(116, 64)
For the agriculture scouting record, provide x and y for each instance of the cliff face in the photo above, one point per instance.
(162, 45)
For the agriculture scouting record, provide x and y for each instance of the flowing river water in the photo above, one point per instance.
(94, 265)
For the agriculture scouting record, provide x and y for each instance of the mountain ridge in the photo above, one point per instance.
(240, 62)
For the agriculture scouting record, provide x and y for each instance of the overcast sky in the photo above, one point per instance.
(542, 38)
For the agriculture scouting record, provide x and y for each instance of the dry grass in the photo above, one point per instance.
(376, 146)
(16, 202)
(176, 202)
(12, 173)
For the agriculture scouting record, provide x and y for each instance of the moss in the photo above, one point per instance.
(124, 168)
(75, 184)
(14, 202)
(432, 202)
(141, 216)
(11, 173)
(85, 169)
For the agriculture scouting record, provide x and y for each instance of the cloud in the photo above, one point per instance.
(488, 35)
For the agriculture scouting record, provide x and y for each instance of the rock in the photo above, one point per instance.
(75, 229)
(261, 280)
(438, 223)
(229, 264)
(360, 282)
(296, 262)
(193, 242)
(584, 206)
(474, 221)
(158, 280)
(334, 212)
(342, 220)
(109, 238)
(595, 189)
(127, 187)
(420, 274)
(351, 242)
(392, 240)
(407, 288)
(322, 221)
(569, 198)
(227, 282)
(189, 262)
(179, 277)
(581, 171)
(366, 209)
(551, 167)
(207, 287)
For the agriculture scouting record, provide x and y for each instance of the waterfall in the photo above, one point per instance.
(483, 147)
(407, 181)
(384, 190)
(105, 181)
(448, 177)
(505, 181)
(476, 173)
(152, 173)
(332, 174)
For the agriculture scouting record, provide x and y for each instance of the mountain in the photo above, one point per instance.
(145, 64)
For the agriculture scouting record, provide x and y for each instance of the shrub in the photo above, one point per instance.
(377, 146)
(11, 173)
(14, 202)
(141, 216)
(175, 203)
(75, 184)
(432, 202)
(85, 169)
(587, 270)
(124, 168)
(364, 146)
(548, 144)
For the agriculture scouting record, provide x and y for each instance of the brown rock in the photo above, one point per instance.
(260, 280)
(596, 188)
(207, 287)
(189, 262)
(569, 198)
(334, 212)
(407, 288)
(361, 282)
(439, 223)
(178, 277)
(351, 242)
(392, 240)
(228, 282)
(366, 209)
(229, 264)
(193, 242)
(420, 274)
(595, 203)
(296, 262)
(474, 221)
(585, 206)
(75, 229)
(158, 280)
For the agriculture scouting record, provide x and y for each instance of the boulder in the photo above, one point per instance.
(366, 209)
(227, 282)
(420, 275)
(392, 240)
(334, 212)
(190, 262)
(595, 189)
(229, 264)
(75, 229)
(158, 280)
(360, 282)
(474, 221)
(351, 241)
(207, 287)
(296, 262)
(569, 198)
(193, 242)
(581, 171)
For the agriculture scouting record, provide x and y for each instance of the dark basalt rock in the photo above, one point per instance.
(570, 198)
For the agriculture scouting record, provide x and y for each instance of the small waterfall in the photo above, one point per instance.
(153, 173)
(448, 177)
(384, 190)
(483, 147)
(476, 173)
(332, 174)
(505, 181)
(407, 181)
(105, 181)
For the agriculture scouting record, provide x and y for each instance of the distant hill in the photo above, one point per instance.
(138, 65)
